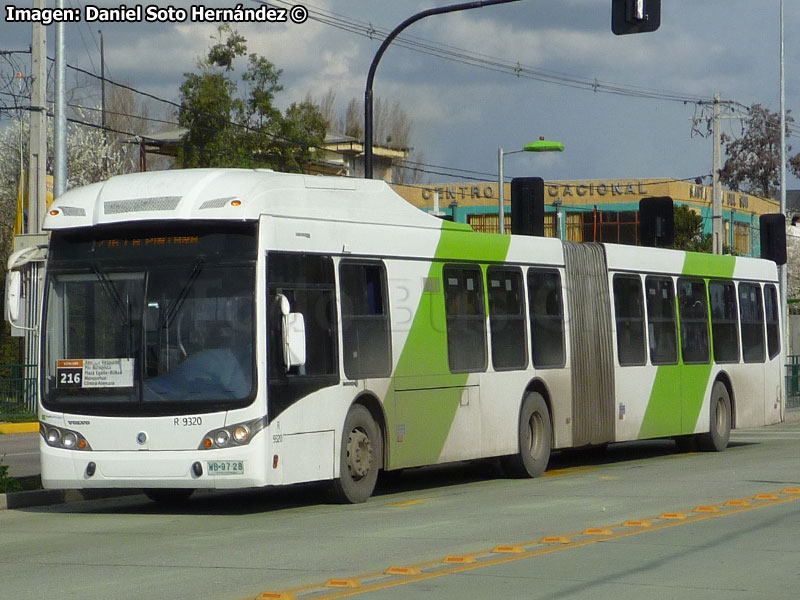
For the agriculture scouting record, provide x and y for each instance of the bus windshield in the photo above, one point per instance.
(149, 337)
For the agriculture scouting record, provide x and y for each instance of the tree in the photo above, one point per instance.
(753, 163)
(92, 156)
(689, 231)
(236, 124)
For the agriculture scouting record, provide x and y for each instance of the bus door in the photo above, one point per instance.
(754, 351)
(695, 350)
(435, 408)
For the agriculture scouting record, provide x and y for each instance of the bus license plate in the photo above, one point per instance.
(225, 467)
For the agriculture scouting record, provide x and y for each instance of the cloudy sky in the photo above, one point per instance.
(622, 106)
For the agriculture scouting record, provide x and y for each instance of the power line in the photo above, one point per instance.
(487, 62)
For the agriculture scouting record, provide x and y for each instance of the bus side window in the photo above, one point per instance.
(752, 317)
(546, 312)
(661, 326)
(366, 345)
(507, 318)
(693, 311)
(773, 328)
(629, 312)
(724, 321)
(466, 318)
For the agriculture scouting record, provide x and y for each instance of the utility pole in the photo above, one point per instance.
(60, 115)
(37, 157)
(783, 271)
(716, 189)
(102, 81)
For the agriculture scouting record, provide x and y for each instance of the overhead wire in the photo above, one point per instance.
(484, 61)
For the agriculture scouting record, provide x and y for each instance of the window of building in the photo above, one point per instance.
(507, 318)
(487, 222)
(546, 311)
(662, 332)
(611, 226)
(751, 313)
(693, 312)
(366, 343)
(574, 227)
(724, 321)
(629, 313)
(741, 238)
(773, 328)
(466, 318)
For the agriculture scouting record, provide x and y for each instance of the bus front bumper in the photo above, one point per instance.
(231, 468)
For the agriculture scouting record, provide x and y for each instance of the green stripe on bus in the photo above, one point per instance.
(679, 390)
(419, 421)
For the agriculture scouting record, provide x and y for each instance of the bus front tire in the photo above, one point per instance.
(534, 435)
(359, 458)
(716, 440)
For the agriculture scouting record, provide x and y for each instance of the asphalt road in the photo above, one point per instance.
(20, 452)
(638, 520)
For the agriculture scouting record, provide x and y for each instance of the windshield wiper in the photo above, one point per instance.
(110, 290)
(175, 306)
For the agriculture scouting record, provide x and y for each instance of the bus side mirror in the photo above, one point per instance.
(14, 298)
(293, 334)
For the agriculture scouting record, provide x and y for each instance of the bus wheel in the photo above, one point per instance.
(168, 497)
(534, 439)
(360, 457)
(716, 440)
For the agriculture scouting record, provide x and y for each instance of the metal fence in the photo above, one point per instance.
(793, 381)
(17, 391)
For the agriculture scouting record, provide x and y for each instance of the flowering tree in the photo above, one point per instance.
(793, 261)
(92, 156)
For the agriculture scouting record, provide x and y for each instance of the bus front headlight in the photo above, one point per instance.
(238, 434)
(58, 437)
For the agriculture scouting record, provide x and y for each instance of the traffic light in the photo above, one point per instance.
(527, 206)
(656, 222)
(773, 237)
(635, 16)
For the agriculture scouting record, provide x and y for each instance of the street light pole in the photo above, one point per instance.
(541, 145)
(501, 201)
(382, 48)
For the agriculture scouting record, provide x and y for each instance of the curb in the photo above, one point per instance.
(19, 428)
(34, 498)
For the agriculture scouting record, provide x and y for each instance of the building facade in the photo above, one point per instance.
(597, 210)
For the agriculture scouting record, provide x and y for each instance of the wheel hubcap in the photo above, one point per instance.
(535, 434)
(359, 454)
(719, 414)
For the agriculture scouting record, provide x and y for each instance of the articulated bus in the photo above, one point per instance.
(219, 329)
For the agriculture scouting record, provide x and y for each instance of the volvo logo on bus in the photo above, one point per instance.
(141, 438)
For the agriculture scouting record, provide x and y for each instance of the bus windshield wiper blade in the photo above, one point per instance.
(173, 309)
(111, 293)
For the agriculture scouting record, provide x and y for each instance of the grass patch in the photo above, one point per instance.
(7, 483)
(18, 417)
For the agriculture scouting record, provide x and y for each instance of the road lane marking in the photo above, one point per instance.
(406, 503)
(506, 553)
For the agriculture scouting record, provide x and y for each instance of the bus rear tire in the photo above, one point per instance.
(716, 440)
(360, 457)
(168, 497)
(534, 435)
